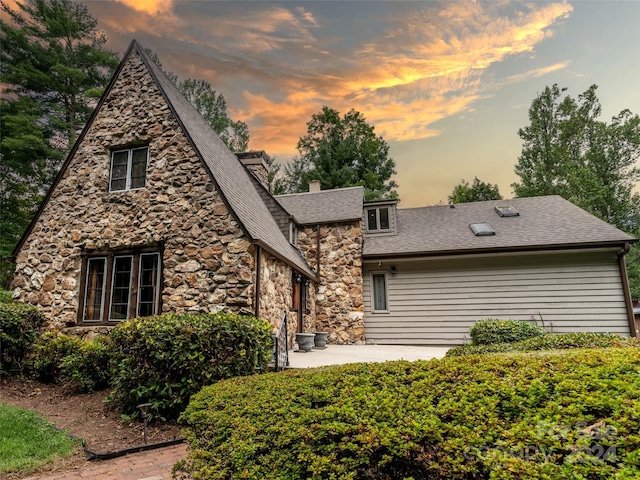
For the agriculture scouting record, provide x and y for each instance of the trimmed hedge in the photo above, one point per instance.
(63, 358)
(494, 330)
(165, 359)
(555, 341)
(19, 328)
(549, 416)
(6, 296)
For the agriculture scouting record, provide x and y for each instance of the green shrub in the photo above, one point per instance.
(19, 326)
(165, 359)
(556, 341)
(504, 417)
(49, 353)
(493, 330)
(87, 368)
(6, 296)
(63, 358)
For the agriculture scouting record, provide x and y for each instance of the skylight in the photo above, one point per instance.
(481, 229)
(507, 211)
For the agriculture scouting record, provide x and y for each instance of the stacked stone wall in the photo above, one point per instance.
(338, 302)
(208, 264)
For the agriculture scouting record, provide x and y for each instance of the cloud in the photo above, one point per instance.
(152, 7)
(278, 63)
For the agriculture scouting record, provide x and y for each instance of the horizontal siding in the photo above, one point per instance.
(436, 302)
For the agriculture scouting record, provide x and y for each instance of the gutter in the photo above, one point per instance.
(625, 286)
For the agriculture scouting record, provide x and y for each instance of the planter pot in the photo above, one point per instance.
(320, 339)
(305, 341)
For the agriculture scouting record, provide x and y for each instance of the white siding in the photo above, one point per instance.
(436, 301)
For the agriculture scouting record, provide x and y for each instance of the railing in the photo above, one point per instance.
(281, 345)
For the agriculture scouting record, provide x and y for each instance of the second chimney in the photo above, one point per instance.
(314, 186)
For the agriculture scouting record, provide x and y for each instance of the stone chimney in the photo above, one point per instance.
(256, 162)
(314, 186)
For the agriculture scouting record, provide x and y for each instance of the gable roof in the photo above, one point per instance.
(230, 177)
(548, 222)
(325, 206)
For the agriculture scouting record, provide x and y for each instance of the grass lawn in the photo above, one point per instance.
(28, 442)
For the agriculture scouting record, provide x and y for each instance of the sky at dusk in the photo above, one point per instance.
(446, 83)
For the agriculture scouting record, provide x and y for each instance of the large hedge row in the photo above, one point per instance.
(163, 360)
(549, 342)
(549, 416)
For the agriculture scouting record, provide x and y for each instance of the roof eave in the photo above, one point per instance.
(475, 251)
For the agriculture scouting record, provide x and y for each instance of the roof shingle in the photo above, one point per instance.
(544, 222)
(326, 206)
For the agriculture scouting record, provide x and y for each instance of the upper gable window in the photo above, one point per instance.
(128, 169)
(378, 219)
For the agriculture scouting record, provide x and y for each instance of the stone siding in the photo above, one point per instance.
(276, 297)
(208, 264)
(338, 303)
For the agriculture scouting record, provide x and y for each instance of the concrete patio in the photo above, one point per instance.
(340, 354)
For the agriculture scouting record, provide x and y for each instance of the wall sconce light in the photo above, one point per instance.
(393, 269)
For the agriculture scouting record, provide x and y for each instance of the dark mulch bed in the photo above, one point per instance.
(85, 416)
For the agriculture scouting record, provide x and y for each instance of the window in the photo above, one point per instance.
(128, 169)
(481, 229)
(379, 289)
(120, 286)
(378, 219)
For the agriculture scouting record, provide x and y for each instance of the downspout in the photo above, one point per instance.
(625, 287)
(257, 292)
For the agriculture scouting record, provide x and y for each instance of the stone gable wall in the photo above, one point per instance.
(208, 263)
(338, 302)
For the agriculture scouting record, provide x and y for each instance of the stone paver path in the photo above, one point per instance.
(149, 465)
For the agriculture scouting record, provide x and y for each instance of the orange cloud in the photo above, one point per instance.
(152, 7)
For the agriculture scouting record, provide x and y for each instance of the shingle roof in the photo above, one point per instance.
(326, 206)
(229, 174)
(544, 222)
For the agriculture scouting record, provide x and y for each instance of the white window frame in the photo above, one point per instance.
(129, 168)
(377, 210)
(156, 301)
(104, 288)
(386, 292)
(113, 276)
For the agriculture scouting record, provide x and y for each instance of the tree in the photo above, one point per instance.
(342, 152)
(212, 106)
(567, 151)
(478, 192)
(52, 53)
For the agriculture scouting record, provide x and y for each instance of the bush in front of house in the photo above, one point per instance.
(556, 341)
(493, 330)
(19, 328)
(83, 364)
(6, 296)
(165, 359)
(549, 416)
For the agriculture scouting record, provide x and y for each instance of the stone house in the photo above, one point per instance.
(152, 213)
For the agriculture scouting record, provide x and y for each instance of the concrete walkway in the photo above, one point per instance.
(157, 464)
(340, 354)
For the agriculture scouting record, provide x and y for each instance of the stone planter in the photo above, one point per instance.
(320, 339)
(305, 341)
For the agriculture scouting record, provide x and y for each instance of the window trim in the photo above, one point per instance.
(127, 186)
(156, 301)
(113, 277)
(86, 289)
(109, 256)
(377, 210)
(386, 291)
